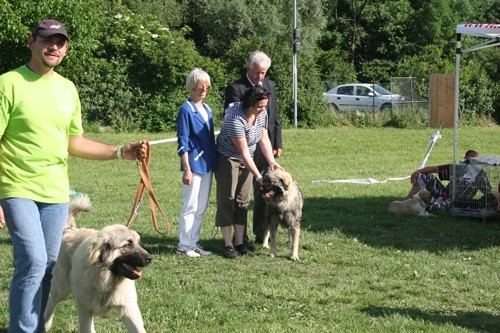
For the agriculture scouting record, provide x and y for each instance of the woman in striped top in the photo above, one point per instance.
(243, 128)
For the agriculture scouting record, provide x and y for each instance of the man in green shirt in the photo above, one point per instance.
(40, 123)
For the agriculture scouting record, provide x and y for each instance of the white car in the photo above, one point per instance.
(361, 97)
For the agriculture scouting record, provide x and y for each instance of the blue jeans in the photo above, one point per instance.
(36, 232)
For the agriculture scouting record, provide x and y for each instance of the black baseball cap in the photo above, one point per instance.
(48, 28)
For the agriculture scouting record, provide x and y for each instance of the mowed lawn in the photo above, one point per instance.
(361, 269)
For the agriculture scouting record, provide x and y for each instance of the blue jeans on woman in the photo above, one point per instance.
(36, 232)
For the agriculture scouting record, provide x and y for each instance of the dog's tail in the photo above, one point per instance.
(80, 203)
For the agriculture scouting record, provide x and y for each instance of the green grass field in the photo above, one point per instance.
(361, 269)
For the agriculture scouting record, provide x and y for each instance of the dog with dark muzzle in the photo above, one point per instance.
(284, 202)
(100, 268)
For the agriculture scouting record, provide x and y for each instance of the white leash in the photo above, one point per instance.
(156, 142)
(369, 181)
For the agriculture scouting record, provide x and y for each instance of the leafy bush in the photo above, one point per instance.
(129, 58)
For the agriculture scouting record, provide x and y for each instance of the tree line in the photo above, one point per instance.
(129, 58)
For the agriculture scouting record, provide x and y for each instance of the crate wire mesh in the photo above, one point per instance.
(474, 188)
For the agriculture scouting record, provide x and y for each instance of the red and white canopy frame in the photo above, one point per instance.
(490, 31)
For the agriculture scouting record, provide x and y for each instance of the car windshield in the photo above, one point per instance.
(382, 91)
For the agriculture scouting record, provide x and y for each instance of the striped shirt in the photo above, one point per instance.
(235, 125)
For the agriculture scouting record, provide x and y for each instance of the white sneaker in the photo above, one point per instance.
(188, 253)
(201, 251)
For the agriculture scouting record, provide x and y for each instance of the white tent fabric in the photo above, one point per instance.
(486, 160)
(490, 31)
(480, 30)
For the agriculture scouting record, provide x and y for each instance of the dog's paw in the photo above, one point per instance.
(426, 214)
(295, 258)
(271, 255)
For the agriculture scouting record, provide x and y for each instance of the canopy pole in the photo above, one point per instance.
(455, 107)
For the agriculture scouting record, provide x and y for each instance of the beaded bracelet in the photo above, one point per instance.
(119, 152)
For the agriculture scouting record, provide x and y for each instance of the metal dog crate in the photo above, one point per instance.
(474, 188)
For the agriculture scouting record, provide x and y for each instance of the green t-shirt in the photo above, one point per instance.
(37, 116)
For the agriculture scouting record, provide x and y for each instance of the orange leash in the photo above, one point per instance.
(145, 183)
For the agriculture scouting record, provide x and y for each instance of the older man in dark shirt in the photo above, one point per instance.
(257, 65)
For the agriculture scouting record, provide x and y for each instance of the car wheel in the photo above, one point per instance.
(386, 107)
(333, 107)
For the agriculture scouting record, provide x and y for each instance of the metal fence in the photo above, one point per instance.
(410, 89)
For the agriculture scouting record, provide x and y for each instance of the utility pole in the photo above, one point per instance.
(296, 48)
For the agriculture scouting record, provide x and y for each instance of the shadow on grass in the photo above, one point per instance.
(368, 220)
(158, 244)
(167, 244)
(5, 241)
(474, 320)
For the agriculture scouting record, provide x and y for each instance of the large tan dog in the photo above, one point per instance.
(99, 267)
(415, 205)
(284, 203)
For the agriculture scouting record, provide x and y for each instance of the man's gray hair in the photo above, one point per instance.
(259, 58)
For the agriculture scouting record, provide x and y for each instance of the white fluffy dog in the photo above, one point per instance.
(415, 205)
(100, 268)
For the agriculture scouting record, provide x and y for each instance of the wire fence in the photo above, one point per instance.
(411, 90)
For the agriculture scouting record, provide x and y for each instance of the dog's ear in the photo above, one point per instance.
(105, 252)
(286, 180)
(425, 195)
(95, 252)
(266, 171)
(99, 251)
